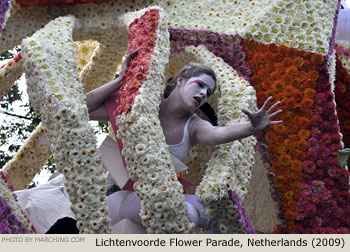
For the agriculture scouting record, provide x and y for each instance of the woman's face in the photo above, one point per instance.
(196, 90)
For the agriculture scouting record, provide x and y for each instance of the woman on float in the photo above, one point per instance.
(182, 128)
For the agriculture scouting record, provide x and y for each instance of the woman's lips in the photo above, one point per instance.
(198, 100)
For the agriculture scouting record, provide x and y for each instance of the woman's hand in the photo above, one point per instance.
(263, 118)
(128, 58)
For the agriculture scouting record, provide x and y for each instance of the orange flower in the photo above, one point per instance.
(307, 103)
(292, 71)
(284, 160)
(299, 155)
(297, 96)
(278, 86)
(266, 84)
(263, 73)
(280, 140)
(279, 180)
(303, 122)
(304, 134)
(309, 83)
(296, 165)
(288, 91)
(298, 62)
(289, 143)
(302, 75)
(270, 137)
(292, 204)
(282, 49)
(289, 113)
(269, 55)
(280, 97)
(282, 149)
(296, 186)
(289, 103)
(273, 148)
(289, 215)
(293, 127)
(287, 62)
(269, 93)
(280, 129)
(313, 75)
(293, 137)
(309, 93)
(259, 58)
(286, 79)
(306, 112)
(317, 59)
(275, 168)
(275, 75)
(289, 195)
(272, 47)
(296, 82)
(302, 145)
(291, 52)
(306, 66)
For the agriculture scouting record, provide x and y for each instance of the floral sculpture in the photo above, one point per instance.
(258, 49)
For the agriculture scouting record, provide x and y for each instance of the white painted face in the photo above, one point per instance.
(197, 89)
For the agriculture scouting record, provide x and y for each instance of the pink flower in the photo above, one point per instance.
(325, 127)
(329, 108)
(313, 144)
(326, 195)
(317, 186)
(319, 230)
(309, 166)
(315, 198)
(331, 162)
(343, 230)
(311, 155)
(335, 138)
(319, 98)
(304, 197)
(332, 119)
(306, 189)
(326, 139)
(330, 231)
(334, 149)
(333, 172)
(329, 96)
(318, 175)
(334, 129)
(316, 132)
(323, 152)
(310, 209)
(329, 183)
(299, 214)
(316, 120)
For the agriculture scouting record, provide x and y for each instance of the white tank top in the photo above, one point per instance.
(181, 149)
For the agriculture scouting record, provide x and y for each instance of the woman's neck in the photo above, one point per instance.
(172, 106)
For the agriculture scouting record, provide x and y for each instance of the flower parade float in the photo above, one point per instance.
(284, 180)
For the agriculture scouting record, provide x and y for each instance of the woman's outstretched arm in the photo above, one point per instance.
(97, 97)
(205, 133)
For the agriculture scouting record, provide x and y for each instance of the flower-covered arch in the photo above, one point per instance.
(284, 49)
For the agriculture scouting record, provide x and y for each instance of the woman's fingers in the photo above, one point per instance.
(272, 115)
(247, 113)
(273, 107)
(266, 103)
(276, 122)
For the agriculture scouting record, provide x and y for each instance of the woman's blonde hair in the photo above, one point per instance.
(188, 71)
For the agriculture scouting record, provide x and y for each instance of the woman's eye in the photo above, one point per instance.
(200, 84)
